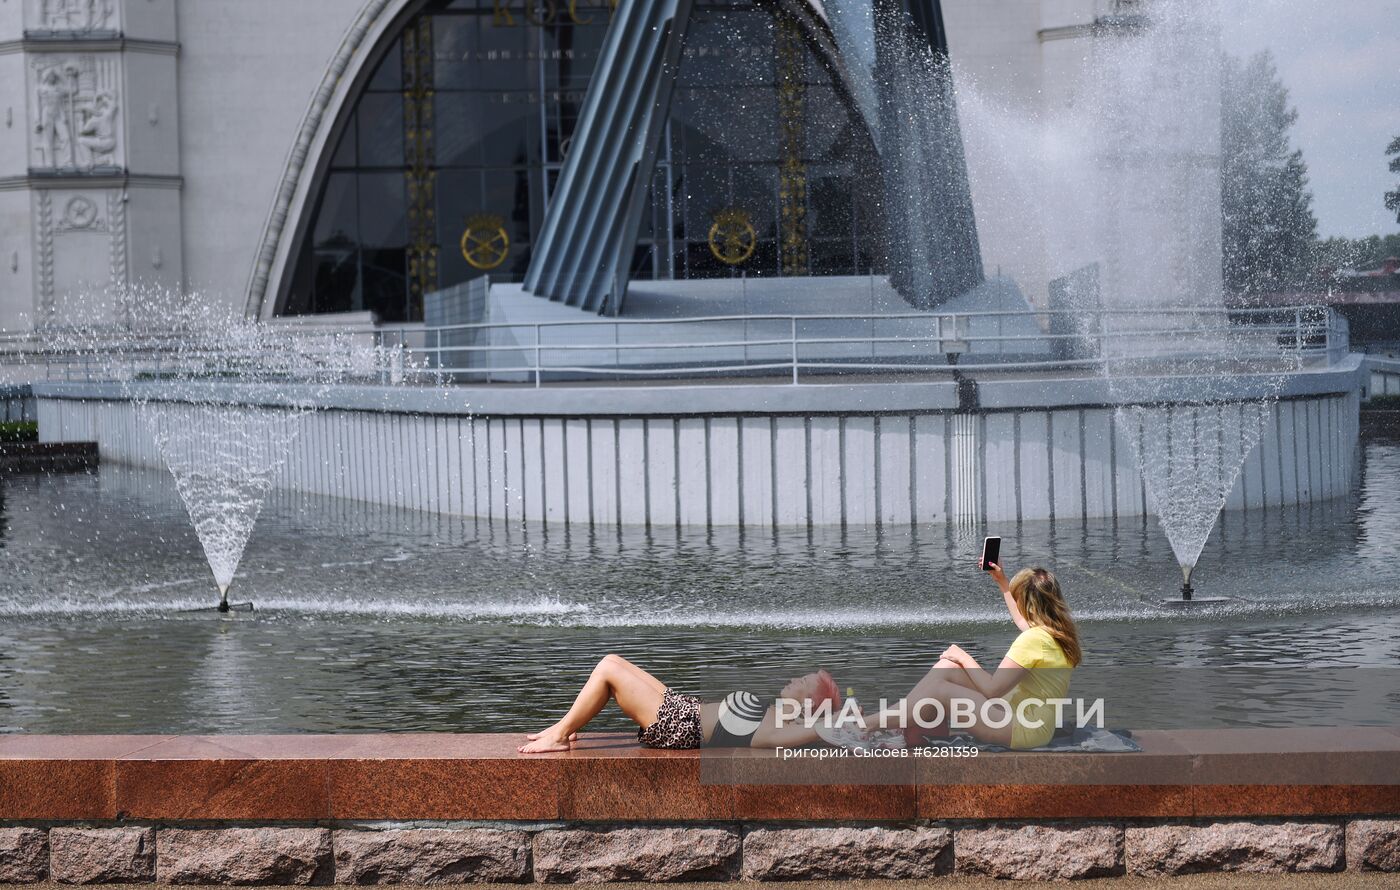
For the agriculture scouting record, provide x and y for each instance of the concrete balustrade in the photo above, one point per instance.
(754, 455)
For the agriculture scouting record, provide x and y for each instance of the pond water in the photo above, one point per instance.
(373, 619)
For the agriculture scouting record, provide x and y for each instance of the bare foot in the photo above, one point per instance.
(573, 736)
(549, 740)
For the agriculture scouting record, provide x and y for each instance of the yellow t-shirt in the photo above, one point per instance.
(1047, 677)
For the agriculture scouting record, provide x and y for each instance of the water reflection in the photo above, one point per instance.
(383, 619)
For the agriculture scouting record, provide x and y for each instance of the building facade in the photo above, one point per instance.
(330, 156)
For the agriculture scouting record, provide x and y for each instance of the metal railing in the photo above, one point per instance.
(791, 348)
(794, 347)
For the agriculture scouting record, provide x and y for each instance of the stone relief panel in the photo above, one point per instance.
(72, 16)
(81, 243)
(74, 113)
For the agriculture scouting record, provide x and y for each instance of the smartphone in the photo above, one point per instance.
(991, 553)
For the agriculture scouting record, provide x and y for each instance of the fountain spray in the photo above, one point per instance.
(222, 396)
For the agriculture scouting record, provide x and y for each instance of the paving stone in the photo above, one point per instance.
(636, 854)
(794, 854)
(24, 855)
(1039, 852)
(1373, 845)
(431, 856)
(243, 856)
(1234, 846)
(102, 855)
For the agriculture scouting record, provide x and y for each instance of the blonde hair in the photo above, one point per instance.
(1037, 595)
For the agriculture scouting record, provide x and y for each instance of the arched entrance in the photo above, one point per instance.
(445, 161)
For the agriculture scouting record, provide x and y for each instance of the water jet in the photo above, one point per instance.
(221, 396)
(1188, 598)
(226, 606)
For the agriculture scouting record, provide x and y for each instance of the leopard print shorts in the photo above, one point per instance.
(677, 723)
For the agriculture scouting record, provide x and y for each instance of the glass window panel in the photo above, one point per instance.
(383, 218)
(506, 128)
(641, 266)
(388, 77)
(738, 124)
(454, 51)
(764, 260)
(752, 124)
(385, 283)
(513, 269)
(831, 257)
(345, 152)
(706, 191)
(500, 53)
(693, 144)
(337, 281)
(755, 188)
(560, 121)
(301, 294)
(700, 262)
(507, 195)
(337, 219)
(453, 268)
(572, 53)
(552, 179)
(728, 47)
(380, 117)
(539, 15)
(826, 125)
(829, 208)
(458, 199)
(458, 133)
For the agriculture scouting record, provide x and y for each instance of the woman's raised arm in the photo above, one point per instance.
(999, 577)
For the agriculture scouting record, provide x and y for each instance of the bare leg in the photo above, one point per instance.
(938, 685)
(943, 670)
(953, 673)
(637, 692)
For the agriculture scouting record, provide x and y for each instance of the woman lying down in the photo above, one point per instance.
(667, 719)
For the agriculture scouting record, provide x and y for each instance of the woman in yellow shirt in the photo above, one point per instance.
(1034, 671)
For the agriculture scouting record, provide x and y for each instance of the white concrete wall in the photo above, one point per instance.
(1385, 378)
(248, 71)
(14, 134)
(17, 258)
(858, 469)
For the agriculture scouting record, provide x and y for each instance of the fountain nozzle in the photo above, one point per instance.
(223, 598)
(1186, 589)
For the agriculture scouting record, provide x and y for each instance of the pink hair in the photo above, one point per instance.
(827, 690)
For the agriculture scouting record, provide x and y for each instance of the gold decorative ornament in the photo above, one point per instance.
(732, 236)
(792, 172)
(420, 179)
(485, 243)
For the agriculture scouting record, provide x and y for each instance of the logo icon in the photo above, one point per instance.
(741, 713)
(732, 236)
(485, 243)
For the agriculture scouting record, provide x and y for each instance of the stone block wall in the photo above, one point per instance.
(451, 853)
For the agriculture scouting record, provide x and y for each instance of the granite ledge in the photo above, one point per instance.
(608, 778)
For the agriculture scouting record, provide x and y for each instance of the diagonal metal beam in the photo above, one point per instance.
(585, 244)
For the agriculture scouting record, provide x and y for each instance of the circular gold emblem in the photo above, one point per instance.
(732, 237)
(485, 243)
